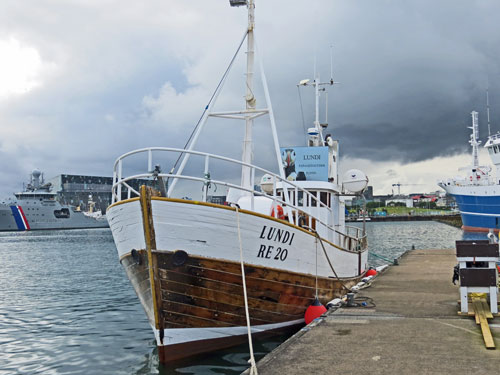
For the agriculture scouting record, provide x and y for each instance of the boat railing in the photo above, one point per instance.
(308, 215)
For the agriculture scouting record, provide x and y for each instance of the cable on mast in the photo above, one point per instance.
(302, 110)
(211, 99)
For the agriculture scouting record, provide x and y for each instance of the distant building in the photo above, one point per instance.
(368, 193)
(395, 201)
(382, 199)
(78, 190)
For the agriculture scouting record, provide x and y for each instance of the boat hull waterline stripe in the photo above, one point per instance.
(185, 335)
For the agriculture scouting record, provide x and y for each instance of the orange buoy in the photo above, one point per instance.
(278, 214)
(371, 272)
(314, 311)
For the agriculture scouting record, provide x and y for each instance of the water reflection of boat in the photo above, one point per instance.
(185, 258)
(37, 208)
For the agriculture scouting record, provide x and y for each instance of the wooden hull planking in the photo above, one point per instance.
(196, 292)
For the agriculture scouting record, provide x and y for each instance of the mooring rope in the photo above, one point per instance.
(381, 257)
(328, 259)
(253, 368)
(316, 267)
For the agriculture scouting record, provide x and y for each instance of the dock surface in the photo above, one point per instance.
(414, 328)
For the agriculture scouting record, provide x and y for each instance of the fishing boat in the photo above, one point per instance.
(477, 192)
(207, 273)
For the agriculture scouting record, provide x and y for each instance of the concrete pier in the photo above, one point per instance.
(413, 328)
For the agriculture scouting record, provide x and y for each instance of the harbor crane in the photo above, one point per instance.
(399, 187)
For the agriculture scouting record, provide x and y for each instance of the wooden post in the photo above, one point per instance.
(150, 240)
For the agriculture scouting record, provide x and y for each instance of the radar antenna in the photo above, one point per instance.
(318, 88)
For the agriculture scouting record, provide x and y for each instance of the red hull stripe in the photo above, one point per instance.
(478, 229)
(26, 224)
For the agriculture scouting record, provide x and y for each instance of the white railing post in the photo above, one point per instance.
(318, 212)
(113, 194)
(205, 186)
(150, 160)
(309, 211)
(252, 183)
(297, 205)
(119, 179)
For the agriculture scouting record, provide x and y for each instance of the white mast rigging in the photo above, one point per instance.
(248, 114)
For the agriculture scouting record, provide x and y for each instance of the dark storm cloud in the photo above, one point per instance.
(124, 75)
(439, 128)
(410, 73)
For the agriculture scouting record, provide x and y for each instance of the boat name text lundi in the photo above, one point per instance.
(277, 235)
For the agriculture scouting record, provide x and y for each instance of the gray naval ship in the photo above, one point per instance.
(37, 208)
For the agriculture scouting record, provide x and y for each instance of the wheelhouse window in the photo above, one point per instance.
(314, 199)
(324, 197)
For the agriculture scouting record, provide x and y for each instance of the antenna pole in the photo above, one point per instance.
(474, 139)
(314, 64)
(249, 98)
(316, 119)
(488, 111)
(326, 107)
(331, 62)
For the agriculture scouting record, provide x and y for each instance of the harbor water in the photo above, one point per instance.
(68, 308)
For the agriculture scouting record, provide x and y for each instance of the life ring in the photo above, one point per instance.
(278, 214)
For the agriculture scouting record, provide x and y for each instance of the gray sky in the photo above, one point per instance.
(82, 82)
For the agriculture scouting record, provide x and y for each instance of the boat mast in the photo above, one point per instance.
(250, 113)
(319, 141)
(488, 111)
(249, 98)
(316, 119)
(474, 139)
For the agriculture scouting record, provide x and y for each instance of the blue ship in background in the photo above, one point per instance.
(478, 192)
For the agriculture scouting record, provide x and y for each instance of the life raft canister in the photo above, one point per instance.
(278, 213)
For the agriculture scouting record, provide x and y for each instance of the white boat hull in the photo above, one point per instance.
(211, 231)
(201, 301)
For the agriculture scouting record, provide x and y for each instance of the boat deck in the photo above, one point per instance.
(413, 329)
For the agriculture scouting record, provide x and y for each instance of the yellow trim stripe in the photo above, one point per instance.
(185, 201)
(122, 202)
(248, 213)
